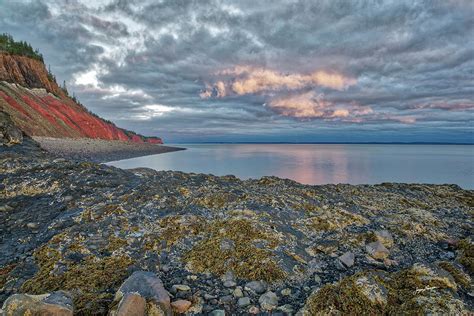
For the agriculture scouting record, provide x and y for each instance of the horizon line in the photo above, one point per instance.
(328, 143)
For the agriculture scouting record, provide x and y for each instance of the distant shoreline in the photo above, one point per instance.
(324, 143)
(99, 150)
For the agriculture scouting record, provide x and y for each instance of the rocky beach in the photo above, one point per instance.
(83, 238)
(100, 150)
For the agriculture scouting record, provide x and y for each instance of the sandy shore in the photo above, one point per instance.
(99, 150)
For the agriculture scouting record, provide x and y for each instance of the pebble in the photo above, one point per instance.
(243, 302)
(286, 292)
(32, 225)
(377, 250)
(238, 292)
(218, 312)
(254, 310)
(347, 259)
(226, 299)
(181, 287)
(268, 301)
(258, 287)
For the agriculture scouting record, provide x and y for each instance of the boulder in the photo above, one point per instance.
(131, 304)
(181, 306)
(384, 237)
(51, 304)
(347, 259)
(268, 301)
(257, 287)
(377, 250)
(149, 287)
(9, 133)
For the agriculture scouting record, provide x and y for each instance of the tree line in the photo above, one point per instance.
(10, 46)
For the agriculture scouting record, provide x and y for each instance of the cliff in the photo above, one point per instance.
(41, 108)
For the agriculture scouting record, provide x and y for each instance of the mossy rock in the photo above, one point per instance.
(89, 281)
(244, 258)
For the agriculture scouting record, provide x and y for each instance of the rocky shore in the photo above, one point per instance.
(99, 150)
(89, 239)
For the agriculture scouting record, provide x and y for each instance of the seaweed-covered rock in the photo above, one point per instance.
(85, 228)
(52, 304)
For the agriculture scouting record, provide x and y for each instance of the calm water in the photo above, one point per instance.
(320, 164)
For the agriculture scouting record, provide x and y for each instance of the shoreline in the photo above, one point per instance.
(99, 150)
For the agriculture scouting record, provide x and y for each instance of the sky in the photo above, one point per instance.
(263, 71)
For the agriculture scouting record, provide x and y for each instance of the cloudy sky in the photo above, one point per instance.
(248, 70)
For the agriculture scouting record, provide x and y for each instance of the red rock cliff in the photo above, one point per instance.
(41, 108)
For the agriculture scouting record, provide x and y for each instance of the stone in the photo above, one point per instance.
(243, 302)
(384, 237)
(257, 287)
(227, 244)
(227, 299)
(317, 279)
(51, 304)
(286, 292)
(181, 306)
(217, 312)
(327, 246)
(32, 225)
(9, 133)
(238, 292)
(286, 309)
(132, 304)
(254, 310)
(149, 286)
(347, 259)
(229, 279)
(268, 301)
(229, 284)
(373, 291)
(377, 250)
(181, 287)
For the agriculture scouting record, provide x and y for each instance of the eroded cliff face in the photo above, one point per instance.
(27, 72)
(41, 108)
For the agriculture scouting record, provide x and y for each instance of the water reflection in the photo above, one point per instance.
(320, 164)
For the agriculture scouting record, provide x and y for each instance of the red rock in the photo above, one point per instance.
(181, 306)
(50, 112)
(132, 304)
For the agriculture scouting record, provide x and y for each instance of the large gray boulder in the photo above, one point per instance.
(147, 286)
(52, 304)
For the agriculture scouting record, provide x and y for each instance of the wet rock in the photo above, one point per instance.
(148, 286)
(32, 225)
(385, 237)
(53, 304)
(377, 250)
(9, 133)
(229, 279)
(243, 302)
(286, 292)
(180, 287)
(181, 306)
(254, 310)
(347, 259)
(131, 304)
(238, 292)
(268, 301)
(218, 312)
(257, 287)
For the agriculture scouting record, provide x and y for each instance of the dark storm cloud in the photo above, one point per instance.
(271, 69)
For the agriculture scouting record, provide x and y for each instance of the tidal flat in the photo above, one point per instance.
(227, 246)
